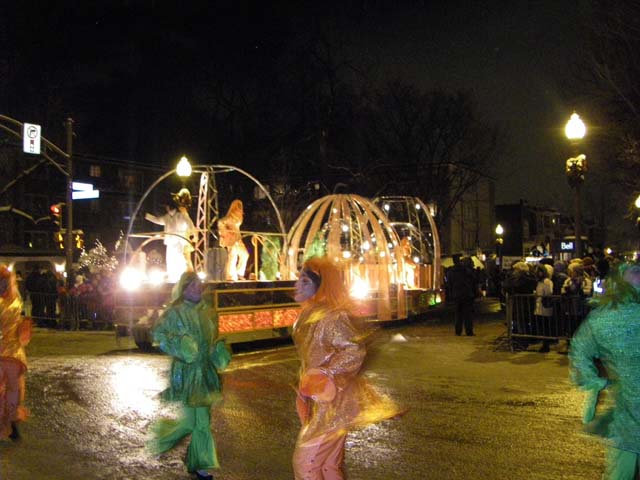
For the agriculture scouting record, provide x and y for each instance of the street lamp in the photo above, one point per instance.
(499, 242)
(576, 168)
(184, 167)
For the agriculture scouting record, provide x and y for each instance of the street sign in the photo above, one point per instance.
(83, 191)
(31, 137)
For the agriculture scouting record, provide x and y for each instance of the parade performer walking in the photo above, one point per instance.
(605, 354)
(188, 331)
(15, 334)
(333, 397)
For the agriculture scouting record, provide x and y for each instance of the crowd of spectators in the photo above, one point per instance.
(90, 300)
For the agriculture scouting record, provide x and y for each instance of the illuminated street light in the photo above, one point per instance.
(575, 128)
(575, 169)
(499, 242)
(184, 167)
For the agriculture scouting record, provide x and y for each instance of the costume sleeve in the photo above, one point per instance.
(172, 337)
(154, 219)
(584, 350)
(347, 349)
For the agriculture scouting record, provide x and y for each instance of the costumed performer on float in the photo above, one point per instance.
(180, 228)
(610, 337)
(188, 331)
(231, 239)
(333, 397)
(15, 334)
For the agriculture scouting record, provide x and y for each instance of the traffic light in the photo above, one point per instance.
(56, 214)
(58, 237)
(79, 240)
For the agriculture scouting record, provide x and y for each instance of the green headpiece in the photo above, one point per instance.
(617, 290)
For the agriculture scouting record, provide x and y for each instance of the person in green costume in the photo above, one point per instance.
(605, 357)
(188, 330)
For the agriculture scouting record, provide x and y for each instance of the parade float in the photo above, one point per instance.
(391, 266)
(252, 303)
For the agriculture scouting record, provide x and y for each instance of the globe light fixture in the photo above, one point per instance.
(499, 230)
(184, 167)
(575, 128)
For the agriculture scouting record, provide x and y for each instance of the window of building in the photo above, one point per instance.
(95, 171)
(38, 240)
(130, 180)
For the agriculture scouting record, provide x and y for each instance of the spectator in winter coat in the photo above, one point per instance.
(463, 288)
(544, 306)
(576, 287)
(559, 277)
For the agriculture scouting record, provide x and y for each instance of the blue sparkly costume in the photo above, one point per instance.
(605, 362)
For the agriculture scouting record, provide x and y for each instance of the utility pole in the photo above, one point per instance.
(69, 237)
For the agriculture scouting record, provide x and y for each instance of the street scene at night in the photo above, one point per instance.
(474, 410)
(319, 240)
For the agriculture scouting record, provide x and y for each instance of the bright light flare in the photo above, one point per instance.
(202, 275)
(157, 276)
(131, 278)
(184, 167)
(575, 128)
(359, 289)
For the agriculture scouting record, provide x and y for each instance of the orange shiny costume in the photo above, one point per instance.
(333, 397)
(15, 333)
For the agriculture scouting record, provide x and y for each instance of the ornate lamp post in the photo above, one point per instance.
(499, 242)
(576, 168)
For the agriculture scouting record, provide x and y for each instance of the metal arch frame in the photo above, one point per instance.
(211, 170)
(434, 229)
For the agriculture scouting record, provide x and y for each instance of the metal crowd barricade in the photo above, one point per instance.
(567, 314)
(55, 310)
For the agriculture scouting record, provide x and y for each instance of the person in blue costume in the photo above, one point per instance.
(188, 331)
(605, 362)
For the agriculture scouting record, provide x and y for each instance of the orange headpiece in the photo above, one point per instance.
(7, 275)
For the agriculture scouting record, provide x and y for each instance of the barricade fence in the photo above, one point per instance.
(553, 317)
(54, 310)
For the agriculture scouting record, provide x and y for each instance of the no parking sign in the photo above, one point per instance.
(31, 138)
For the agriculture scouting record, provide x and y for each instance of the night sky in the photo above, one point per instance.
(513, 56)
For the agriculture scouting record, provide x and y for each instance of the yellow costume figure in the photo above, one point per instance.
(15, 333)
(231, 239)
(333, 397)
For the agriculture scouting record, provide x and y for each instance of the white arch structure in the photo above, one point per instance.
(353, 232)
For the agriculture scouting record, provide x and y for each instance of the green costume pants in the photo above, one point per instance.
(201, 453)
(621, 465)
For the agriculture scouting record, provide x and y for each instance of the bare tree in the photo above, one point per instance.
(433, 145)
(608, 76)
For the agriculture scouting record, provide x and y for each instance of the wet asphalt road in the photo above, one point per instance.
(475, 411)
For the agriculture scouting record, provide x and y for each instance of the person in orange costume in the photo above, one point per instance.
(15, 333)
(333, 397)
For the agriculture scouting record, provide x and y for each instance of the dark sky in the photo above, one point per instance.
(513, 55)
